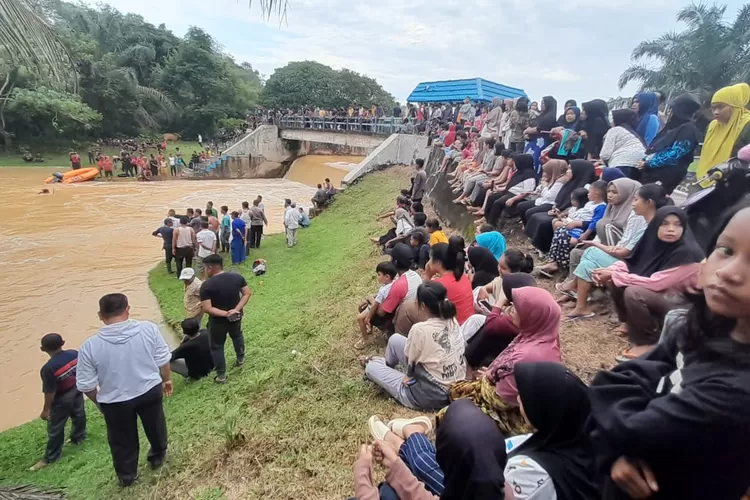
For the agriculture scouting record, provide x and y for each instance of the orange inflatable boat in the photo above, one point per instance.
(80, 175)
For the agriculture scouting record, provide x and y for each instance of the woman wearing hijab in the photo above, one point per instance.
(671, 152)
(623, 148)
(594, 126)
(679, 415)
(519, 122)
(537, 316)
(730, 129)
(539, 225)
(505, 129)
(539, 137)
(553, 179)
(570, 118)
(651, 282)
(570, 103)
(646, 107)
(467, 461)
(496, 330)
(610, 174)
(556, 461)
(484, 265)
(492, 240)
(523, 181)
(451, 137)
(494, 119)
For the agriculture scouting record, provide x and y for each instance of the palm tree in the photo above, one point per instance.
(709, 54)
(27, 38)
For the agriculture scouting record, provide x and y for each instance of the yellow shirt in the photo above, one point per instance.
(438, 237)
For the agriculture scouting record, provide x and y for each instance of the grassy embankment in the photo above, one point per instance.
(61, 159)
(286, 425)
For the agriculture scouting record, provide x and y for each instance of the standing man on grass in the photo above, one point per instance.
(420, 181)
(223, 296)
(61, 398)
(128, 360)
(257, 221)
(291, 223)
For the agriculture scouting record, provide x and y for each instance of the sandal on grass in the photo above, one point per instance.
(362, 343)
(574, 317)
(626, 355)
(378, 429)
(397, 424)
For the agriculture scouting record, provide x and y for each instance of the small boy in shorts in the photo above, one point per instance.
(368, 308)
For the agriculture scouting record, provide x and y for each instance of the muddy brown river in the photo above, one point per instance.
(63, 251)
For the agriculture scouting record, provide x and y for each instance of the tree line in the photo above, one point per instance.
(101, 73)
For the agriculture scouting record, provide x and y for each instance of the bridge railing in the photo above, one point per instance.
(354, 125)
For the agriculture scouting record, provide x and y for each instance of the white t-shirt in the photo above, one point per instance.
(383, 293)
(171, 161)
(206, 240)
(525, 186)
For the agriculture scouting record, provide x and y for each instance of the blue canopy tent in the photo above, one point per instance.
(477, 89)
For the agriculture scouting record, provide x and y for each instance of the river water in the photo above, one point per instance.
(63, 251)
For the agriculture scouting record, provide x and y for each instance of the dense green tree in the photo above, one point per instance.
(50, 113)
(708, 54)
(311, 84)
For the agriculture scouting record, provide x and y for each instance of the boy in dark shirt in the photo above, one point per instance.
(166, 232)
(61, 398)
(192, 358)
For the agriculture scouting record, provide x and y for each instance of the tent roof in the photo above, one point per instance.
(477, 89)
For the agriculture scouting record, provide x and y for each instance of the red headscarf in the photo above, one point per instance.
(451, 137)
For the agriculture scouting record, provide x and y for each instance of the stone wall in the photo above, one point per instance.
(441, 195)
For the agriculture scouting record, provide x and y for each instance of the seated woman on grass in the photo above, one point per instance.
(522, 179)
(467, 461)
(556, 461)
(433, 355)
(487, 336)
(491, 239)
(537, 316)
(497, 182)
(555, 172)
(652, 281)
(447, 266)
(647, 200)
(512, 261)
(483, 266)
(660, 424)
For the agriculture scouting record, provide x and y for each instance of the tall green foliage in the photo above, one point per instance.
(310, 84)
(132, 77)
(708, 54)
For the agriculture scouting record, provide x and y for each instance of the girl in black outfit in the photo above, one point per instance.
(539, 225)
(594, 126)
(524, 164)
(674, 424)
(671, 152)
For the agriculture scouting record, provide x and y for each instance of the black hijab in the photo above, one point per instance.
(471, 453)
(652, 255)
(583, 173)
(596, 124)
(556, 403)
(627, 119)
(680, 126)
(524, 169)
(484, 264)
(548, 120)
(516, 280)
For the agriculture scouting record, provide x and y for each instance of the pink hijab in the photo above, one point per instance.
(451, 137)
(538, 339)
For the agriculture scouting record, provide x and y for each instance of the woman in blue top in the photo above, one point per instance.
(492, 240)
(646, 106)
(239, 233)
(226, 228)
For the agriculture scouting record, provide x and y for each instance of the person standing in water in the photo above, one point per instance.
(61, 398)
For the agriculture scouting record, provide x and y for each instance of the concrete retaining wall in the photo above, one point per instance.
(441, 195)
(396, 149)
(264, 141)
(331, 137)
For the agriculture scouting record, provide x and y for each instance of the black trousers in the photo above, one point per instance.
(256, 232)
(173, 169)
(183, 255)
(494, 212)
(218, 331)
(483, 348)
(122, 431)
(168, 258)
(64, 406)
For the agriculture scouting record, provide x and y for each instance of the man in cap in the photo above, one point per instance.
(192, 299)
(61, 398)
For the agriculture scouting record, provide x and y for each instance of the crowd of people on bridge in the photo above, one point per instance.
(473, 331)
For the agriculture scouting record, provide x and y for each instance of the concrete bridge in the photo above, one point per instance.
(268, 150)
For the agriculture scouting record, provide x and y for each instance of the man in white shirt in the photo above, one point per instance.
(206, 245)
(291, 223)
(129, 362)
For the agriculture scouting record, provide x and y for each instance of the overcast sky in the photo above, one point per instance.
(572, 49)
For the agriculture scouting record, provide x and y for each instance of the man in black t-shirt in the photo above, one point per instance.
(61, 398)
(223, 296)
(192, 358)
(166, 232)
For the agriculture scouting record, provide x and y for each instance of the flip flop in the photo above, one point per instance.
(569, 293)
(378, 429)
(625, 356)
(397, 424)
(546, 274)
(574, 317)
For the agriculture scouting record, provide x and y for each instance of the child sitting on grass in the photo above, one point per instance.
(436, 232)
(369, 307)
